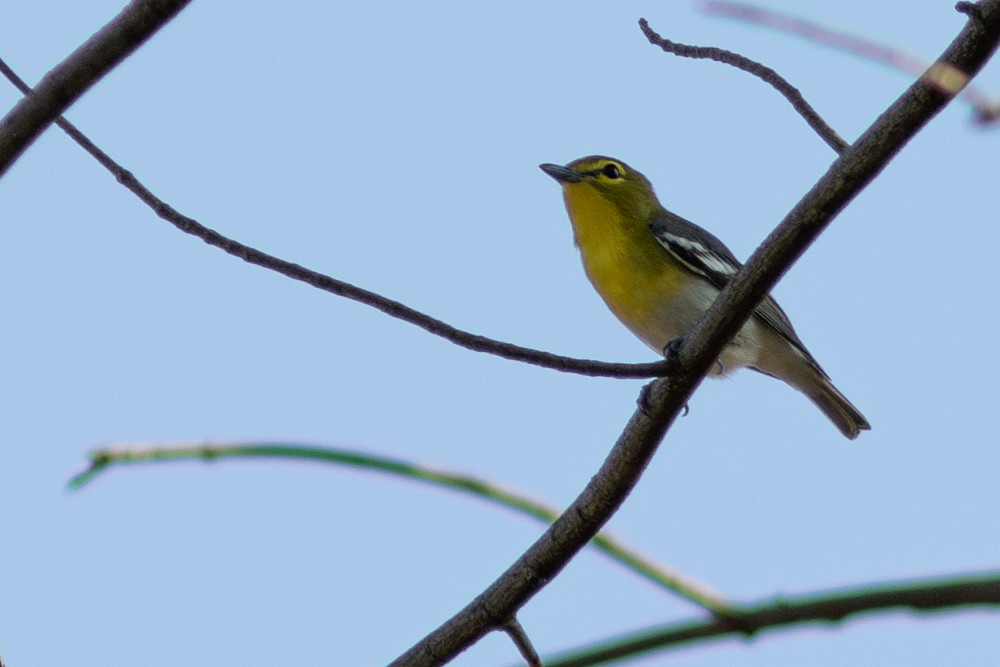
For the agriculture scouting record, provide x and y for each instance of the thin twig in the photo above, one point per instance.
(344, 289)
(987, 109)
(658, 573)
(764, 73)
(520, 638)
(855, 169)
(831, 607)
(81, 70)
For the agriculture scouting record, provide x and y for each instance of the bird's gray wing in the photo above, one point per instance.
(704, 254)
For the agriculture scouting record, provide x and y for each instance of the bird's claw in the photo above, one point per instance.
(672, 350)
(642, 402)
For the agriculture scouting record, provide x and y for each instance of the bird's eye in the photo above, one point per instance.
(612, 171)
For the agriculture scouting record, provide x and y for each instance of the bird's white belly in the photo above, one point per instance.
(677, 316)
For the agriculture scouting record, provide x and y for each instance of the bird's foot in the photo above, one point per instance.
(671, 350)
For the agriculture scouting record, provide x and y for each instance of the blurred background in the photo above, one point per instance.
(396, 146)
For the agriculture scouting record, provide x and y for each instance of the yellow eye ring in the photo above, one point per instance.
(612, 170)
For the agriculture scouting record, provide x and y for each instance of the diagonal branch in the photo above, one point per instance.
(82, 69)
(831, 607)
(865, 159)
(665, 397)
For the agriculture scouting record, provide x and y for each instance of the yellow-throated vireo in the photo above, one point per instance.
(658, 273)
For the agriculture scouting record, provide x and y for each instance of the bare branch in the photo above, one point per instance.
(987, 110)
(662, 575)
(665, 397)
(764, 73)
(81, 70)
(341, 288)
(921, 596)
(846, 177)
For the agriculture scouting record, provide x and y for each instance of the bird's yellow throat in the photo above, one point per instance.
(628, 271)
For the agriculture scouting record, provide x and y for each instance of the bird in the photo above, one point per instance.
(658, 273)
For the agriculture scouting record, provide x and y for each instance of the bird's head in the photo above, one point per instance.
(611, 181)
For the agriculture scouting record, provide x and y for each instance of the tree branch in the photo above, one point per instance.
(762, 72)
(342, 288)
(659, 574)
(921, 596)
(863, 161)
(81, 70)
(665, 397)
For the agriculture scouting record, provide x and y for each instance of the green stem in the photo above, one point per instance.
(926, 595)
(660, 574)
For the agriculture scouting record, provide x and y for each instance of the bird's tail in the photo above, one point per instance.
(835, 406)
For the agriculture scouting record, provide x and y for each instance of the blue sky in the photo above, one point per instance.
(396, 146)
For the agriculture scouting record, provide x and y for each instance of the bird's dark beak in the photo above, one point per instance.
(561, 174)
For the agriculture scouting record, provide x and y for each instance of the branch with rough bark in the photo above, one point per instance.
(139, 21)
(665, 397)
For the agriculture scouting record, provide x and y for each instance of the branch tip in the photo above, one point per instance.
(759, 70)
(970, 9)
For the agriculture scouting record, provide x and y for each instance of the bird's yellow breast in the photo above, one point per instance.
(634, 275)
